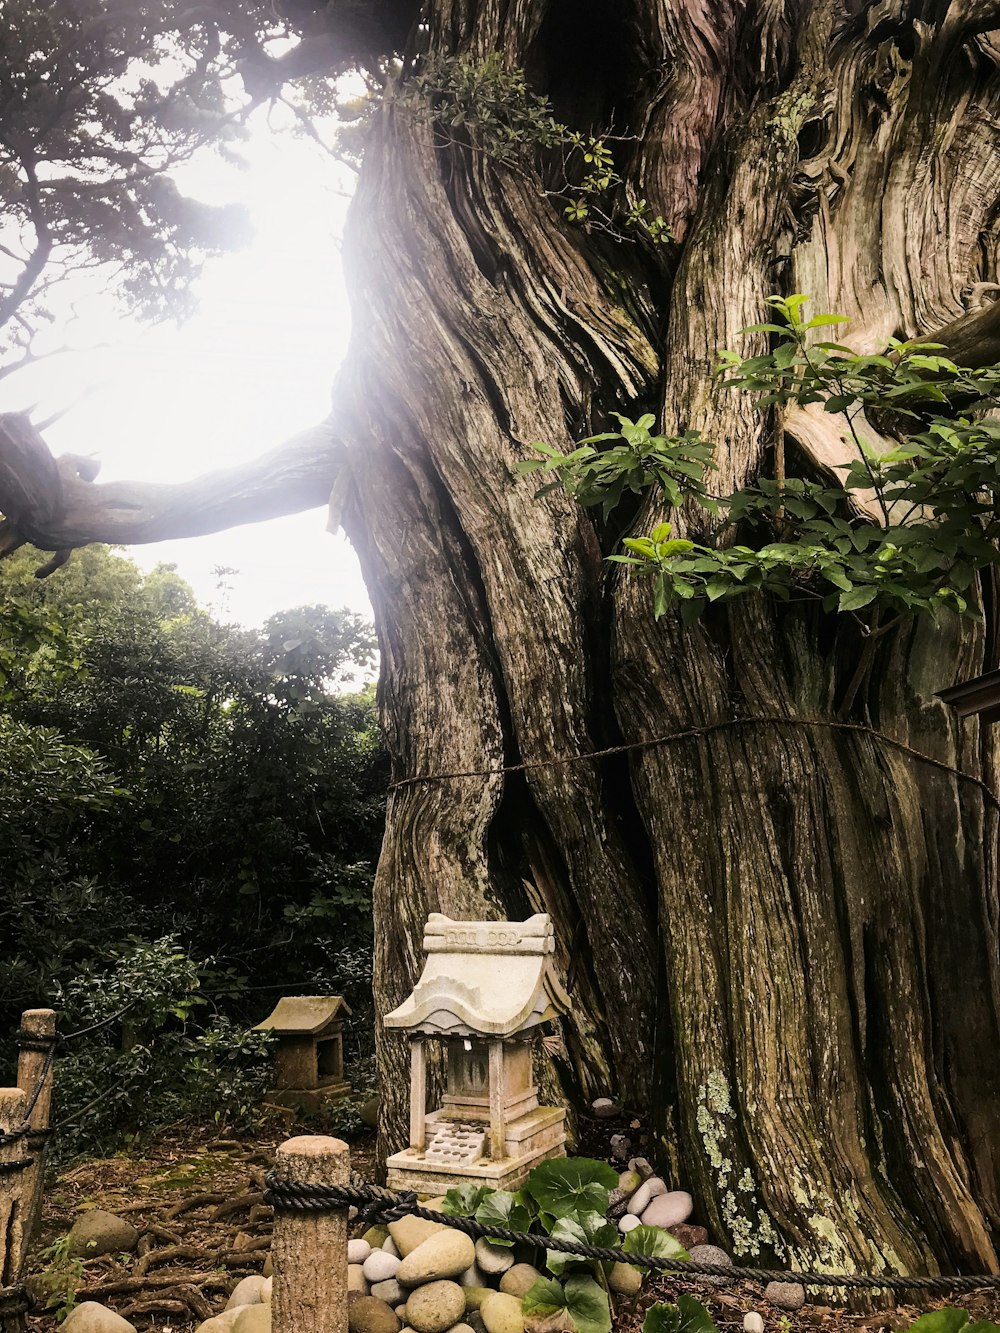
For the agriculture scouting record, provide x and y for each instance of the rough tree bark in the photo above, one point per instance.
(781, 933)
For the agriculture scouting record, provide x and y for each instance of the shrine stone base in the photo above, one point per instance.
(308, 1099)
(446, 1161)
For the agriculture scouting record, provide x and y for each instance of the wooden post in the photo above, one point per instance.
(13, 1104)
(418, 1094)
(36, 1039)
(309, 1250)
(498, 1102)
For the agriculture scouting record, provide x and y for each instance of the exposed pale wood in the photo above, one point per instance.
(498, 1102)
(13, 1103)
(310, 1249)
(418, 1093)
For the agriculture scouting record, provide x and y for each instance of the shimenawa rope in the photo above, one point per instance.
(383, 1206)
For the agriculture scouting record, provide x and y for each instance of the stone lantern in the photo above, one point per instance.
(486, 989)
(309, 1055)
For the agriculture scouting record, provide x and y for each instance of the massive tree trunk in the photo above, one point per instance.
(781, 932)
(777, 911)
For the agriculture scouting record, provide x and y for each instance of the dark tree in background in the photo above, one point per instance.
(170, 775)
(782, 938)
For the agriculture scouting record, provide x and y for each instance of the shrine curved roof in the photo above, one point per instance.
(484, 978)
(304, 1015)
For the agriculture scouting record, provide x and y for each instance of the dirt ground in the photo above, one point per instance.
(197, 1202)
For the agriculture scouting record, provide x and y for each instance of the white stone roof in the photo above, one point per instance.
(484, 978)
(304, 1015)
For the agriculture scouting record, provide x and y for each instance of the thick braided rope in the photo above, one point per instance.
(381, 1205)
(13, 1300)
(11, 1168)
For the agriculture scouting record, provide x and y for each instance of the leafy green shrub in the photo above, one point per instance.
(950, 1320)
(169, 775)
(685, 1316)
(905, 531)
(148, 1061)
(60, 1280)
(490, 106)
(565, 1199)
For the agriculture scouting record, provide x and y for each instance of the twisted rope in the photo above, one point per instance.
(697, 732)
(13, 1301)
(24, 1129)
(383, 1206)
(28, 1041)
(12, 1168)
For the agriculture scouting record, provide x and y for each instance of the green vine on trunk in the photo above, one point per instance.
(489, 106)
(905, 532)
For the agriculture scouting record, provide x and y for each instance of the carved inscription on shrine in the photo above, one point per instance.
(483, 935)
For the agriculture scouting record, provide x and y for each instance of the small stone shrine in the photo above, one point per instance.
(309, 1053)
(486, 989)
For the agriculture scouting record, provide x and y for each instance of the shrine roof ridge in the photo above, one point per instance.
(304, 1015)
(444, 935)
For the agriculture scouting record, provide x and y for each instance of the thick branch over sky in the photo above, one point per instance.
(56, 505)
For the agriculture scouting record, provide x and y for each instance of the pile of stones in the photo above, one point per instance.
(642, 1199)
(429, 1278)
(248, 1309)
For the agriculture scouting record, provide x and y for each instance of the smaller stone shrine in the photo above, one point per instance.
(486, 989)
(309, 1053)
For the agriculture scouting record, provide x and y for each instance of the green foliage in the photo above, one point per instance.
(154, 1064)
(166, 775)
(904, 533)
(686, 1316)
(572, 1185)
(581, 1296)
(677, 465)
(490, 106)
(565, 1199)
(654, 1241)
(950, 1320)
(463, 1200)
(513, 1212)
(584, 1228)
(60, 1279)
(489, 100)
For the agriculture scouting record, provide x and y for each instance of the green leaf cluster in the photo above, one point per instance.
(489, 105)
(676, 465)
(950, 1320)
(906, 530)
(685, 1316)
(168, 775)
(564, 1199)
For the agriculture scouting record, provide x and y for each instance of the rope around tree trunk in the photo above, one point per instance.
(381, 1206)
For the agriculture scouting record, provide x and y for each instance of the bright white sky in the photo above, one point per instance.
(252, 367)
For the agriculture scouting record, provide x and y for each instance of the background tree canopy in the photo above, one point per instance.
(191, 811)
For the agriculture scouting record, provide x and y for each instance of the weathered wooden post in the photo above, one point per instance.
(309, 1249)
(13, 1149)
(24, 1120)
(36, 1041)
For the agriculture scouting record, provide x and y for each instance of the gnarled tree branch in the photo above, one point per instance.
(55, 504)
